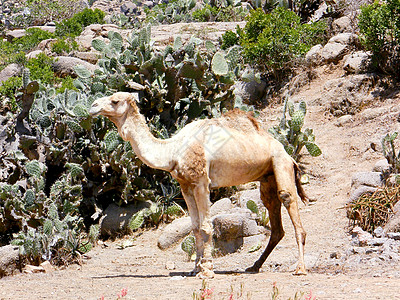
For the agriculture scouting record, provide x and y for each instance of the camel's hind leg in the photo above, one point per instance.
(287, 194)
(270, 199)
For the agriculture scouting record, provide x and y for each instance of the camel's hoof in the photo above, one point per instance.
(300, 271)
(206, 274)
(253, 269)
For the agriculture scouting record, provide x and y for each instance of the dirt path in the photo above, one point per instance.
(334, 272)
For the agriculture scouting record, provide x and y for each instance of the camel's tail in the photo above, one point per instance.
(299, 186)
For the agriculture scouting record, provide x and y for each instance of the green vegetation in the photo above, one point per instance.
(379, 25)
(274, 42)
(289, 131)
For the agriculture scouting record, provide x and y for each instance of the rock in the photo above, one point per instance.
(342, 24)
(378, 232)
(221, 206)
(333, 52)
(244, 196)
(370, 179)
(10, 71)
(148, 4)
(116, 218)
(377, 241)
(346, 95)
(29, 269)
(346, 38)
(129, 8)
(64, 66)
(361, 190)
(337, 47)
(228, 226)
(394, 235)
(33, 54)
(15, 34)
(381, 166)
(361, 237)
(90, 57)
(250, 92)
(47, 266)
(313, 56)
(393, 224)
(343, 120)
(357, 62)
(10, 261)
(170, 265)
(373, 113)
(174, 232)
(46, 45)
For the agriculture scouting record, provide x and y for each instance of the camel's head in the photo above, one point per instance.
(114, 106)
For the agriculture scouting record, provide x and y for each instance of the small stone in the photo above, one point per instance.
(335, 255)
(33, 269)
(343, 120)
(394, 235)
(47, 266)
(170, 265)
(378, 232)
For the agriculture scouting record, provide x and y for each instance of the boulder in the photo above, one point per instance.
(251, 92)
(357, 62)
(333, 52)
(369, 179)
(174, 232)
(129, 8)
(342, 24)
(313, 56)
(10, 260)
(244, 196)
(10, 71)
(382, 166)
(338, 46)
(221, 206)
(64, 66)
(116, 218)
(393, 224)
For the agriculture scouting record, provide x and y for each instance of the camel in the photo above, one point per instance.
(212, 153)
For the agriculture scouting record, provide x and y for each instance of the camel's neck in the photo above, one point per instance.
(155, 153)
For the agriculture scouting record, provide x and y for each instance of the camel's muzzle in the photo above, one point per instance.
(95, 110)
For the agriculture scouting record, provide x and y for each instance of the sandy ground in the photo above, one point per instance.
(142, 268)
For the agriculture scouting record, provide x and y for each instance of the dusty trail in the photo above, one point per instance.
(141, 268)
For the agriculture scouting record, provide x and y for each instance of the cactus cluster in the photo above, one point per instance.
(289, 131)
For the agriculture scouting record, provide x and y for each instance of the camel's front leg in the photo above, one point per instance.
(202, 229)
(202, 198)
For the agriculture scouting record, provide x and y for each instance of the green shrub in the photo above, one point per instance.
(41, 69)
(273, 42)
(32, 38)
(8, 90)
(379, 25)
(229, 39)
(64, 46)
(74, 26)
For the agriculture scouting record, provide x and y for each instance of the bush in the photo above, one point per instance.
(229, 39)
(41, 69)
(73, 27)
(273, 42)
(379, 25)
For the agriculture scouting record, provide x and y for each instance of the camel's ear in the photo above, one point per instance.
(134, 99)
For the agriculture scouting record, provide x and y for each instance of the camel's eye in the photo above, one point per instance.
(114, 102)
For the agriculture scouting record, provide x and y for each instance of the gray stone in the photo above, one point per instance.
(343, 120)
(64, 66)
(361, 190)
(342, 24)
(251, 92)
(174, 232)
(378, 232)
(10, 261)
(357, 62)
(393, 224)
(116, 218)
(149, 4)
(344, 39)
(228, 226)
(313, 56)
(9, 71)
(15, 34)
(382, 166)
(394, 235)
(333, 52)
(371, 179)
(129, 8)
(244, 196)
(377, 241)
(33, 54)
(90, 57)
(221, 206)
